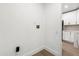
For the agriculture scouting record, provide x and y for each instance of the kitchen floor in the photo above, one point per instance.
(43, 53)
(69, 50)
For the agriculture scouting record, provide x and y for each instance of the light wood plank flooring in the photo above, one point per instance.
(69, 50)
(43, 53)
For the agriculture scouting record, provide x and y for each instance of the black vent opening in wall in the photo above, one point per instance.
(37, 26)
(17, 49)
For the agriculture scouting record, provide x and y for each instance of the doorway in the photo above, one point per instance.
(70, 30)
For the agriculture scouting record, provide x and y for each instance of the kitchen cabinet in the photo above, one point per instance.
(70, 18)
(68, 36)
(65, 18)
(77, 16)
(72, 37)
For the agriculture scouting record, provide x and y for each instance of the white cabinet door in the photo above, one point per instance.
(77, 16)
(72, 37)
(65, 18)
(69, 36)
(69, 18)
(72, 17)
(66, 36)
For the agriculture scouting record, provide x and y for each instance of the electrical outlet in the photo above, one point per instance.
(37, 26)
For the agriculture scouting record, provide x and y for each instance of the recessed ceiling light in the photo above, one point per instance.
(66, 6)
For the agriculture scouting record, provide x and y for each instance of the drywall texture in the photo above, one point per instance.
(53, 28)
(18, 27)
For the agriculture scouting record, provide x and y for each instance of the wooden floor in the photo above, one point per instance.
(69, 50)
(43, 53)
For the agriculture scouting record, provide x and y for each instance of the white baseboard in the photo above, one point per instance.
(52, 51)
(34, 51)
(41, 48)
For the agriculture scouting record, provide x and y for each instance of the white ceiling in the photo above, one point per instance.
(71, 6)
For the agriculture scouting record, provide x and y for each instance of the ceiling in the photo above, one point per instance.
(70, 6)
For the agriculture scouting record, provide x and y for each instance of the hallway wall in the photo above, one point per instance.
(54, 28)
(18, 27)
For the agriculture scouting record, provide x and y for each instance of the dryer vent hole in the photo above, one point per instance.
(17, 49)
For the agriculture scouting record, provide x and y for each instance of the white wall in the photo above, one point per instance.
(53, 28)
(17, 28)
